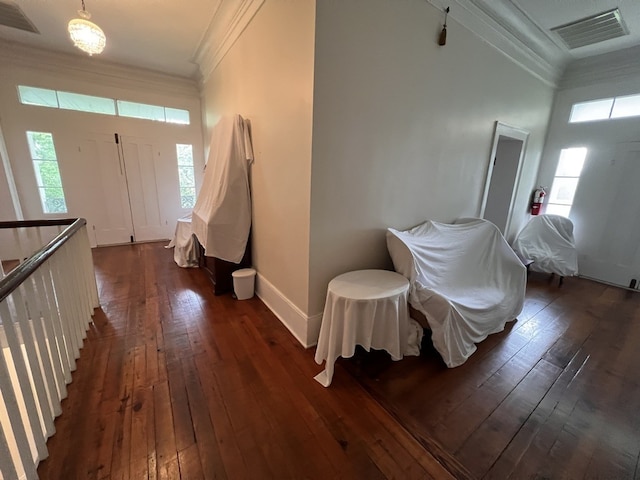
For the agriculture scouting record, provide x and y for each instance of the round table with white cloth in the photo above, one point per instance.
(367, 308)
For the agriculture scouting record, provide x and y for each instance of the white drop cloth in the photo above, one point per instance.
(185, 246)
(548, 241)
(367, 308)
(222, 213)
(464, 278)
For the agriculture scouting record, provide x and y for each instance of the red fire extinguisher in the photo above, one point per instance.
(538, 200)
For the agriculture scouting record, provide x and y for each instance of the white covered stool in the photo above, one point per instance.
(367, 308)
(186, 249)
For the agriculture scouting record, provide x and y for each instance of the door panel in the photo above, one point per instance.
(605, 214)
(144, 169)
(112, 221)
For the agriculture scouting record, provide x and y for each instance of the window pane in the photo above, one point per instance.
(563, 190)
(187, 197)
(628, 106)
(554, 209)
(185, 154)
(47, 172)
(38, 96)
(41, 146)
(571, 162)
(186, 177)
(140, 110)
(176, 115)
(86, 103)
(53, 200)
(588, 111)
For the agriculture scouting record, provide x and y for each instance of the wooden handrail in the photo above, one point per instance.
(37, 223)
(19, 274)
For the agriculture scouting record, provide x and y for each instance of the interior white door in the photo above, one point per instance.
(503, 176)
(605, 214)
(111, 216)
(149, 179)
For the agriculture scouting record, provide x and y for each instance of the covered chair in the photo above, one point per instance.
(464, 278)
(548, 241)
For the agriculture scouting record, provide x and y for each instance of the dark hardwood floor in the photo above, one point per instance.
(556, 395)
(174, 382)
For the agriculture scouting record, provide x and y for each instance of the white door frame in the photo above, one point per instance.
(504, 130)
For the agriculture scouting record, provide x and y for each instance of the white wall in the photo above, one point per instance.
(605, 208)
(7, 210)
(267, 77)
(28, 66)
(402, 128)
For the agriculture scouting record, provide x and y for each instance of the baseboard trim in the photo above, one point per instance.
(304, 328)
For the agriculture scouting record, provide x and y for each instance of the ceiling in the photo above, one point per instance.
(546, 14)
(161, 35)
(166, 35)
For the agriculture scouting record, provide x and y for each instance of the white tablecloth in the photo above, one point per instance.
(367, 308)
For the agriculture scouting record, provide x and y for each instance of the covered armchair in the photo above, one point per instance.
(464, 278)
(548, 241)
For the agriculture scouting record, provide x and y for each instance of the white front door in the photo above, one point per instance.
(151, 175)
(110, 216)
(605, 213)
(132, 187)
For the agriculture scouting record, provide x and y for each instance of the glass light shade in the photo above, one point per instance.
(86, 35)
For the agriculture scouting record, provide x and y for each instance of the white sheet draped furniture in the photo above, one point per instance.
(548, 241)
(367, 308)
(185, 245)
(222, 213)
(465, 279)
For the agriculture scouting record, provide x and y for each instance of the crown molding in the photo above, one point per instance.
(94, 69)
(504, 26)
(608, 67)
(229, 20)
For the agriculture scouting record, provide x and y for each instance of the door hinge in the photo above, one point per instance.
(131, 237)
(117, 138)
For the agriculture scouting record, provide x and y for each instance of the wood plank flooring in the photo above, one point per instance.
(174, 382)
(556, 395)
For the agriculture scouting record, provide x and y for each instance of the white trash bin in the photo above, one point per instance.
(244, 281)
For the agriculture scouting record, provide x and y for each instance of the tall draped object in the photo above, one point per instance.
(222, 213)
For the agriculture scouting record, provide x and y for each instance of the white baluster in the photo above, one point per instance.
(11, 404)
(65, 311)
(37, 352)
(58, 330)
(72, 288)
(22, 372)
(51, 320)
(7, 467)
(89, 270)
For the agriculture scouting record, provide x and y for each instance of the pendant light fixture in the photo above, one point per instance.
(86, 35)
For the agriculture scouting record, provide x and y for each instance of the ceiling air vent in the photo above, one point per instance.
(594, 29)
(12, 16)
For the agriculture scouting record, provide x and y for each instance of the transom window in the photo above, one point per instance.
(565, 181)
(186, 175)
(45, 165)
(605, 109)
(44, 97)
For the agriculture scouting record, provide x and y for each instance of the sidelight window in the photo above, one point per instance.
(565, 181)
(186, 175)
(47, 172)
